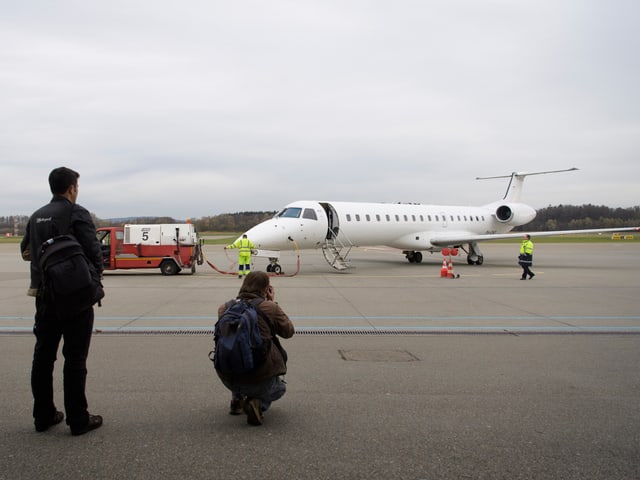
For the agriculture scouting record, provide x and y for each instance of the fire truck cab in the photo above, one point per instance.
(169, 247)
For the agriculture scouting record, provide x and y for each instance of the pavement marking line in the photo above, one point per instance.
(568, 325)
(128, 318)
(367, 330)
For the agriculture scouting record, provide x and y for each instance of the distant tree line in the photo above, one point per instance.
(561, 217)
(231, 222)
(574, 217)
(227, 222)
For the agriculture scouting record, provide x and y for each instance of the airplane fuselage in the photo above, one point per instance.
(413, 227)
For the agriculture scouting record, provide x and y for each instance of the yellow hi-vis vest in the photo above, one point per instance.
(526, 247)
(244, 246)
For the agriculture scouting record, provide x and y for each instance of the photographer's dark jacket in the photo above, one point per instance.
(59, 217)
(283, 327)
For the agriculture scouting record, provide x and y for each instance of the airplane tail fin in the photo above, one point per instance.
(514, 189)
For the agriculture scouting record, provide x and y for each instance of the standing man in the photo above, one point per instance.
(253, 393)
(526, 257)
(61, 216)
(244, 246)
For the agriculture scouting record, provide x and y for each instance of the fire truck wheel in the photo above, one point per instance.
(169, 267)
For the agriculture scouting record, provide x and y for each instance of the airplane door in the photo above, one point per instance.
(333, 223)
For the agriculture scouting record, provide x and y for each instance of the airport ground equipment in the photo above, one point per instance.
(169, 247)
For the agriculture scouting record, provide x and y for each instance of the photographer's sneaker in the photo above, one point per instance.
(253, 411)
(236, 407)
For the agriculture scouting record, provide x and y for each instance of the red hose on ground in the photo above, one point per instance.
(295, 246)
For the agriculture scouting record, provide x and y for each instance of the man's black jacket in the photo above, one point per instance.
(59, 217)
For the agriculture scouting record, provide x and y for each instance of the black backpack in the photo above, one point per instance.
(69, 279)
(238, 346)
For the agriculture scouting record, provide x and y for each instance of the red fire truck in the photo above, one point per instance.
(169, 247)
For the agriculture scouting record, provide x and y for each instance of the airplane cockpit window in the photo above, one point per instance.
(309, 213)
(291, 212)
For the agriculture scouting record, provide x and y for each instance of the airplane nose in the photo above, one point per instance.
(265, 235)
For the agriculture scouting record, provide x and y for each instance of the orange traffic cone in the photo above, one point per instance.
(450, 273)
(444, 270)
(450, 269)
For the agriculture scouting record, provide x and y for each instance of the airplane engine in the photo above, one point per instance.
(515, 213)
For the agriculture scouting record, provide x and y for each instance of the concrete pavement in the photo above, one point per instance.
(395, 373)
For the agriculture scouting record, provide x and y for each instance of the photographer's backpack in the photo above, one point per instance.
(238, 346)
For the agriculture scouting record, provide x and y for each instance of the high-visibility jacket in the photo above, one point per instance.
(526, 248)
(244, 246)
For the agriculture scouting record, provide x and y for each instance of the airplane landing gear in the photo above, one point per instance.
(474, 255)
(414, 257)
(273, 266)
(475, 259)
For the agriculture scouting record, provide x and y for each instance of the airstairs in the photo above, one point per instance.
(333, 253)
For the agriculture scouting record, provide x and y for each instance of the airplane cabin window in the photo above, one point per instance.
(377, 217)
(348, 217)
(357, 217)
(309, 213)
(291, 212)
(437, 218)
(413, 217)
(429, 217)
(388, 218)
(368, 217)
(397, 218)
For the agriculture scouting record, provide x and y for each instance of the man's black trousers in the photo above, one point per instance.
(75, 330)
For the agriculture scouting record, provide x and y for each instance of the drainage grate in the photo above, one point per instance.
(329, 331)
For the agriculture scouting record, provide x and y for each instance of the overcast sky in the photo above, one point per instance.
(195, 108)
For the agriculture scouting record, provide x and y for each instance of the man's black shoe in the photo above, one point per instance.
(43, 426)
(95, 421)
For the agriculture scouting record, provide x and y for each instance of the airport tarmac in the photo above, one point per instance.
(394, 372)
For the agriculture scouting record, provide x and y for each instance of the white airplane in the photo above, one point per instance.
(336, 227)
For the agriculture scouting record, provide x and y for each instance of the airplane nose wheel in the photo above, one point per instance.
(274, 268)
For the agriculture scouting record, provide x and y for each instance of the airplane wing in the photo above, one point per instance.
(460, 238)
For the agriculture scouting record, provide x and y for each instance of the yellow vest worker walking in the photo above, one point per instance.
(526, 257)
(244, 246)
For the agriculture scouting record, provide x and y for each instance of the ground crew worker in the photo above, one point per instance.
(526, 257)
(244, 246)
